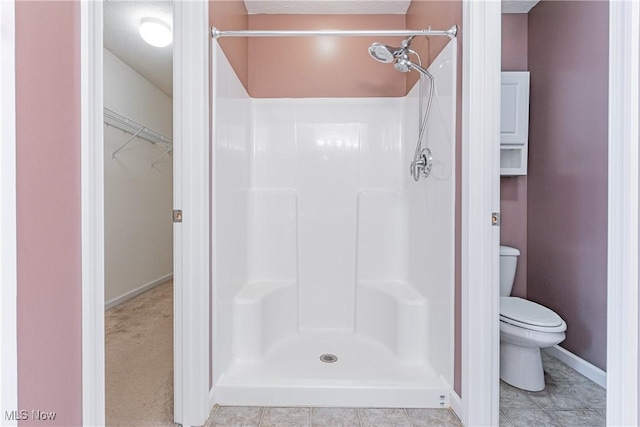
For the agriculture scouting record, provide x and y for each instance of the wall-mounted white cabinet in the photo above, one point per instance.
(514, 122)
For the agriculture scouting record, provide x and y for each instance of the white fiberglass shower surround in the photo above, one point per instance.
(323, 244)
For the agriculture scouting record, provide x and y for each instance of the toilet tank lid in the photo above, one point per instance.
(509, 251)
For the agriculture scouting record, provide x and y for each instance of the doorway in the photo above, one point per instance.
(138, 199)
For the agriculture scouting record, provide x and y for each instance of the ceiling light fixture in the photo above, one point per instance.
(156, 32)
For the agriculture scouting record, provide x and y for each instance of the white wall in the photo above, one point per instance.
(319, 227)
(231, 112)
(432, 209)
(315, 159)
(138, 198)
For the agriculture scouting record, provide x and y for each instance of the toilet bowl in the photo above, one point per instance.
(525, 328)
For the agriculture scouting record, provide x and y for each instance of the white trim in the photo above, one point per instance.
(590, 371)
(212, 405)
(622, 267)
(92, 182)
(212, 397)
(456, 404)
(191, 194)
(8, 240)
(191, 242)
(137, 291)
(480, 197)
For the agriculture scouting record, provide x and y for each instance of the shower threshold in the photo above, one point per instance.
(365, 374)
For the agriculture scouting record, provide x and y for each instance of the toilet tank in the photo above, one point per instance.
(508, 264)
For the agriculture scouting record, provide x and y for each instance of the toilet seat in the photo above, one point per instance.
(529, 315)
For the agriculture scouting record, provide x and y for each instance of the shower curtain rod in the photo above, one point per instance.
(451, 33)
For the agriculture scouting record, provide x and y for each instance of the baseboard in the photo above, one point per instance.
(456, 404)
(590, 371)
(212, 397)
(137, 291)
(212, 407)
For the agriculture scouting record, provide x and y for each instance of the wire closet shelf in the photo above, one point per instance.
(136, 130)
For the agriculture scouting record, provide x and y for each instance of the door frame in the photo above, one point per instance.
(623, 191)
(480, 199)
(191, 195)
(92, 216)
(8, 242)
(623, 329)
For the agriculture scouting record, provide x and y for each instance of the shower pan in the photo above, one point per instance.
(332, 267)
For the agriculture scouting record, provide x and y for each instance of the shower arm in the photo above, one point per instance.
(418, 68)
(216, 33)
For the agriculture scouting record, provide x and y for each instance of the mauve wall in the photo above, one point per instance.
(48, 209)
(442, 15)
(567, 181)
(319, 67)
(513, 190)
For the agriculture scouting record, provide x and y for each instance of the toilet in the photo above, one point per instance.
(525, 328)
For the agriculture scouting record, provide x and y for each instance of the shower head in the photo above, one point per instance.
(404, 65)
(387, 54)
(382, 53)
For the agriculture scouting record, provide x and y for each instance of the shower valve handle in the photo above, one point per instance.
(423, 164)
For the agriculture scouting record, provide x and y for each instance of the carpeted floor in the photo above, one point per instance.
(139, 360)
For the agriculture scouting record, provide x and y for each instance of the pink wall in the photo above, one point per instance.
(48, 209)
(442, 15)
(301, 67)
(232, 15)
(513, 190)
(335, 69)
(567, 181)
(439, 15)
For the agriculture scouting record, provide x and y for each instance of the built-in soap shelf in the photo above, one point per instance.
(514, 123)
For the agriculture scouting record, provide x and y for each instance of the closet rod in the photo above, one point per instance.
(118, 121)
(215, 33)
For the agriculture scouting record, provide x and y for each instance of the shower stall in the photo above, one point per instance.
(333, 268)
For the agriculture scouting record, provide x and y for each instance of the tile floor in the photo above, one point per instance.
(232, 416)
(569, 399)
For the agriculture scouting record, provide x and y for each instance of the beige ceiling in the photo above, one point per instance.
(324, 7)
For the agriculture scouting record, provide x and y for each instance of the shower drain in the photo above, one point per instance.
(329, 358)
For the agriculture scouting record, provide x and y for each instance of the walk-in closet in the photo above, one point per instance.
(138, 188)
